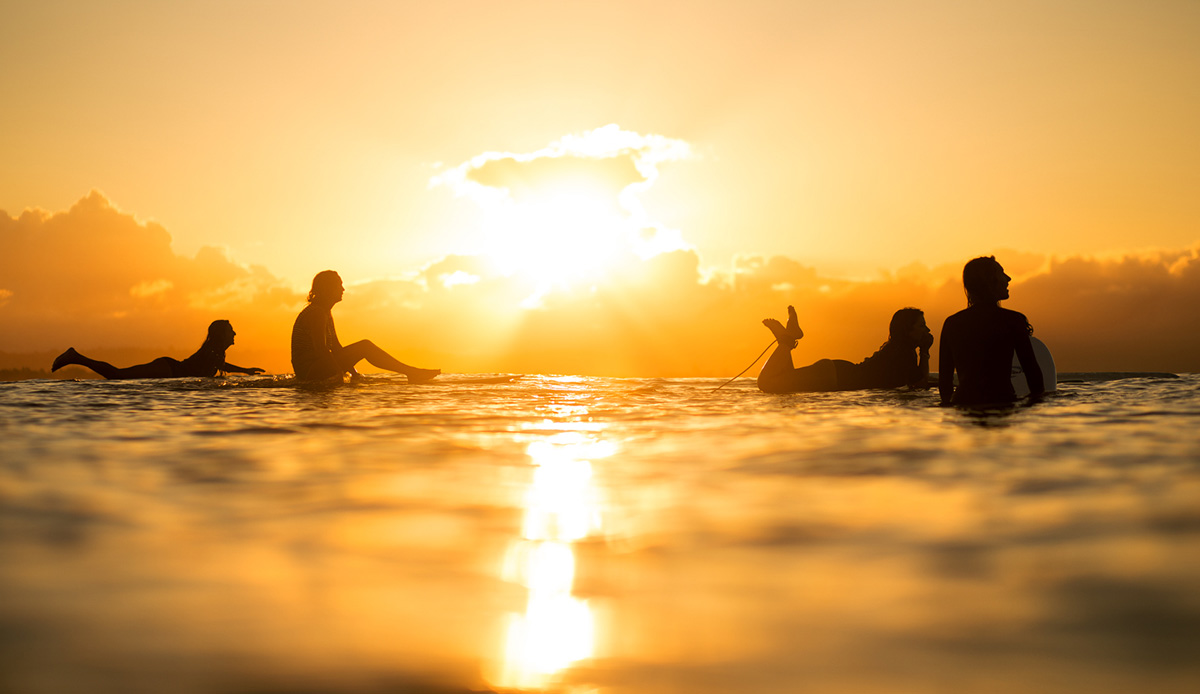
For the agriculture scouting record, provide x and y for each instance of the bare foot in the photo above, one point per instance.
(422, 375)
(780, 333)
(784, 334)
(67, 357)
(793, 324)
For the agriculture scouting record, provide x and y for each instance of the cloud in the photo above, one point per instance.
(669, 316)
(95, 276)
(1129, 312)
(145, 289)
(575, 199)
(608, 156)
(523, 177)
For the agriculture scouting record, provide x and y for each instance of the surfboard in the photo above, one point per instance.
(1044, 360)
(472, 380)
(449, 380)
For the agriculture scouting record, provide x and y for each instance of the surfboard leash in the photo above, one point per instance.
(760, 356)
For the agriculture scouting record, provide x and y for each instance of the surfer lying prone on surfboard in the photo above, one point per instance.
(979, 341)
(902, 361)
(317, 354)
(206, 362)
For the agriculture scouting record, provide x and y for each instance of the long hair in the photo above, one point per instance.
(902, 322)
(323, 281)
(216, 329)
(977, 280)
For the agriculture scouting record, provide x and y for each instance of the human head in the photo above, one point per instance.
(326, 286)
(220, 331)
(984, 281)
(903, 321)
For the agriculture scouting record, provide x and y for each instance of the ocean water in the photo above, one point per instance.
(573, 534)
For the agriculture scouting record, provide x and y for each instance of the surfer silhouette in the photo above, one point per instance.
(978, 342)
(902, 361)
(206, 362)
(317, 354)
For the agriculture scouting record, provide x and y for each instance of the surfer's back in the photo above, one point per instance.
(979, 342)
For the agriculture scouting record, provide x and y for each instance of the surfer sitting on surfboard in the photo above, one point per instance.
(206, 362)
(316, 352)
(894, 365)
(978, 342)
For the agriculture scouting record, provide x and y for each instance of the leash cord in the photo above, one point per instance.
(760, 356)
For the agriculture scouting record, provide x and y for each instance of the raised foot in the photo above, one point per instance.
(783, 334)
(793, 324)
(422, 375)
(67, 357)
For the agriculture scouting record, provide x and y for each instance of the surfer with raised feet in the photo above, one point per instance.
(901, 361)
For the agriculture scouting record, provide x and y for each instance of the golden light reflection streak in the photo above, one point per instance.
(557, 628)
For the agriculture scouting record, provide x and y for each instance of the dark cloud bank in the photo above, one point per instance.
(97, 278)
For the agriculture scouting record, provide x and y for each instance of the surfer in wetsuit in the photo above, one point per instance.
(978, 342)
(894, 365)
(208, 361)
(316, 352)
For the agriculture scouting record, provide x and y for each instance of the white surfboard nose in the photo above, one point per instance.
(1045, 361)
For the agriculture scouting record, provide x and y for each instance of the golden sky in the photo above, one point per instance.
(555, 173)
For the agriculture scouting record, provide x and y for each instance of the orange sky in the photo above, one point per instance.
(598, 188)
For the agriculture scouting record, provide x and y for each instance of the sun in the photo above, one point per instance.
(561, 237)
(568, 216)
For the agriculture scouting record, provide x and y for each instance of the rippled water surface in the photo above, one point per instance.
(612, 535)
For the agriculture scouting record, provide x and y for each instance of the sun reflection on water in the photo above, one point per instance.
(561, 507)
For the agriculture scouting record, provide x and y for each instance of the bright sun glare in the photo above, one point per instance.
(558, 238)
(562, 506)
(568, 227)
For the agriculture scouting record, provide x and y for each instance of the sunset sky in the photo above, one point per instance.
(620, 188)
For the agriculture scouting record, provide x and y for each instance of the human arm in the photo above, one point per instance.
(1028, 360)
(313, 356)
(922, 374)
(946, 365)
(251, 370)
(335, 346)
(321, 332)
(310, 337)
(921, 377)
